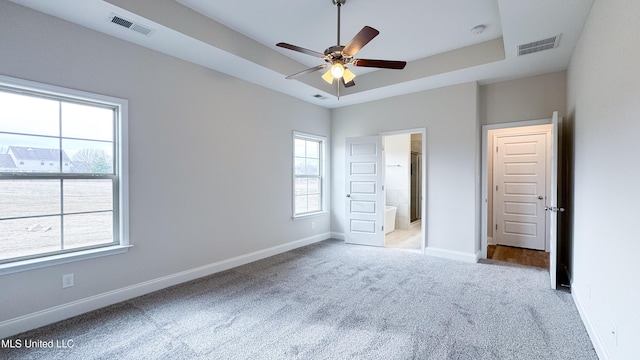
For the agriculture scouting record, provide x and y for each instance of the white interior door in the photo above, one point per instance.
(364, 208)
(520, 189)
(552, 207)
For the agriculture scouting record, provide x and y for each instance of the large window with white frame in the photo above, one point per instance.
(62, 174)
(308, 174)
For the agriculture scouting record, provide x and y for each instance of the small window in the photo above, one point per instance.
(57, 211)
(308, 174)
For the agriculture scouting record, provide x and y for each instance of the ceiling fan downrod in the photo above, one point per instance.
(339, 4)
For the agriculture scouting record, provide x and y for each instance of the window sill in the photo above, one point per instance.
(38, 263)
(306, 216)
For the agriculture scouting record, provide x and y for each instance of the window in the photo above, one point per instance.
(308, 165)
(76, 207)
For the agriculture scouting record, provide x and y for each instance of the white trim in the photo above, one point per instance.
(45, 261)
(44, 317)
(310, 215)
(596, 341)
(337, 235)
(452, 255)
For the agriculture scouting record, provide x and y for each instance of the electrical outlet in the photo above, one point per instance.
(313, 225)
(67, 280)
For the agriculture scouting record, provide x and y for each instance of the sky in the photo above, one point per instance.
(40, 122)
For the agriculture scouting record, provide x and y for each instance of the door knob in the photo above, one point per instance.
(540, 197)
(348, 195)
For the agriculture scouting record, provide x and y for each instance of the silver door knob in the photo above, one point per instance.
(348, 195)
(540, 197)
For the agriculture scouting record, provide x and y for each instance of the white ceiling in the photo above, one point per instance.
(434, 36)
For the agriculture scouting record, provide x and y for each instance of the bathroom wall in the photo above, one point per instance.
(397, 177)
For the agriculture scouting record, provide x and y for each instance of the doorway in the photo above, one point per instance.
(518, 182)
(366, 195)
(550, 209)
(403, 179)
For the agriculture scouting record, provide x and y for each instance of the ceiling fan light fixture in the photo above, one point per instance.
(337, 70)
(328, 77)
(348, 75)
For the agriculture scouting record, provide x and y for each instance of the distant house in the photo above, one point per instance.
(32, 159)
(6, 163)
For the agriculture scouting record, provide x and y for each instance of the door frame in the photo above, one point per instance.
(485, 178)
(423, 205)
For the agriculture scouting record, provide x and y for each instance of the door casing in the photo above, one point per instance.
(482, 248)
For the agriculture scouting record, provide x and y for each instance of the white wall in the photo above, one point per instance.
(397, 180)
(450, 117)
(604, 112)
(232, 197)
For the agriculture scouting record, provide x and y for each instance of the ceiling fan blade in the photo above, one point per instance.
(307, 71)
(348, 84)
(299, 49)
(361, 39)
(384, 64)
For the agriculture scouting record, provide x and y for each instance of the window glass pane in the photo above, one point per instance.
(29, 115)
(313, 167)
(301, 186)
(23, 153)
(313, 149)
(88, 229)
(87, 122)
(29, 198)
(301, 204)
(299, 165)
(299, 148)
(94, 157)
(87, 195)
(24, 237)
(313, 203)
(314, 186)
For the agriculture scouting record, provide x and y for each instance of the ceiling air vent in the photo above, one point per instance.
(130, 24)
(539, 45)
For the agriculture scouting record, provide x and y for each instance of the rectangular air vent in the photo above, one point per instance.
(539, 45)
(130, 25)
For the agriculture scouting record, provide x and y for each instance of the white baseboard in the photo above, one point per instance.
(48, 316)
(596, 341)
(452, 255)
(336, 235)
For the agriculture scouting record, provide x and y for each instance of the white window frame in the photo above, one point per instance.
(323, 179)
(121, 200)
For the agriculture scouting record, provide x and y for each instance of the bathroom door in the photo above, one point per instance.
(364, 206)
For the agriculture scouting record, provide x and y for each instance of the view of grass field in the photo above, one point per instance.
(40, 216)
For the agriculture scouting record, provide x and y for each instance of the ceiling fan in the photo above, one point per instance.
(339, 56)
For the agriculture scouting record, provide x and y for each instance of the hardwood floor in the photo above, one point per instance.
(528, 257)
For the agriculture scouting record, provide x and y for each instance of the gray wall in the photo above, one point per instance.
(604, 116)
(530, 98)
(450, 117)
(209, 155)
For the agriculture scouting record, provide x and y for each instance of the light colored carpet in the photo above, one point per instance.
(335, 301)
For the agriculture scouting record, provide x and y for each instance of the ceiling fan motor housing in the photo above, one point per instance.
(334, 53)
